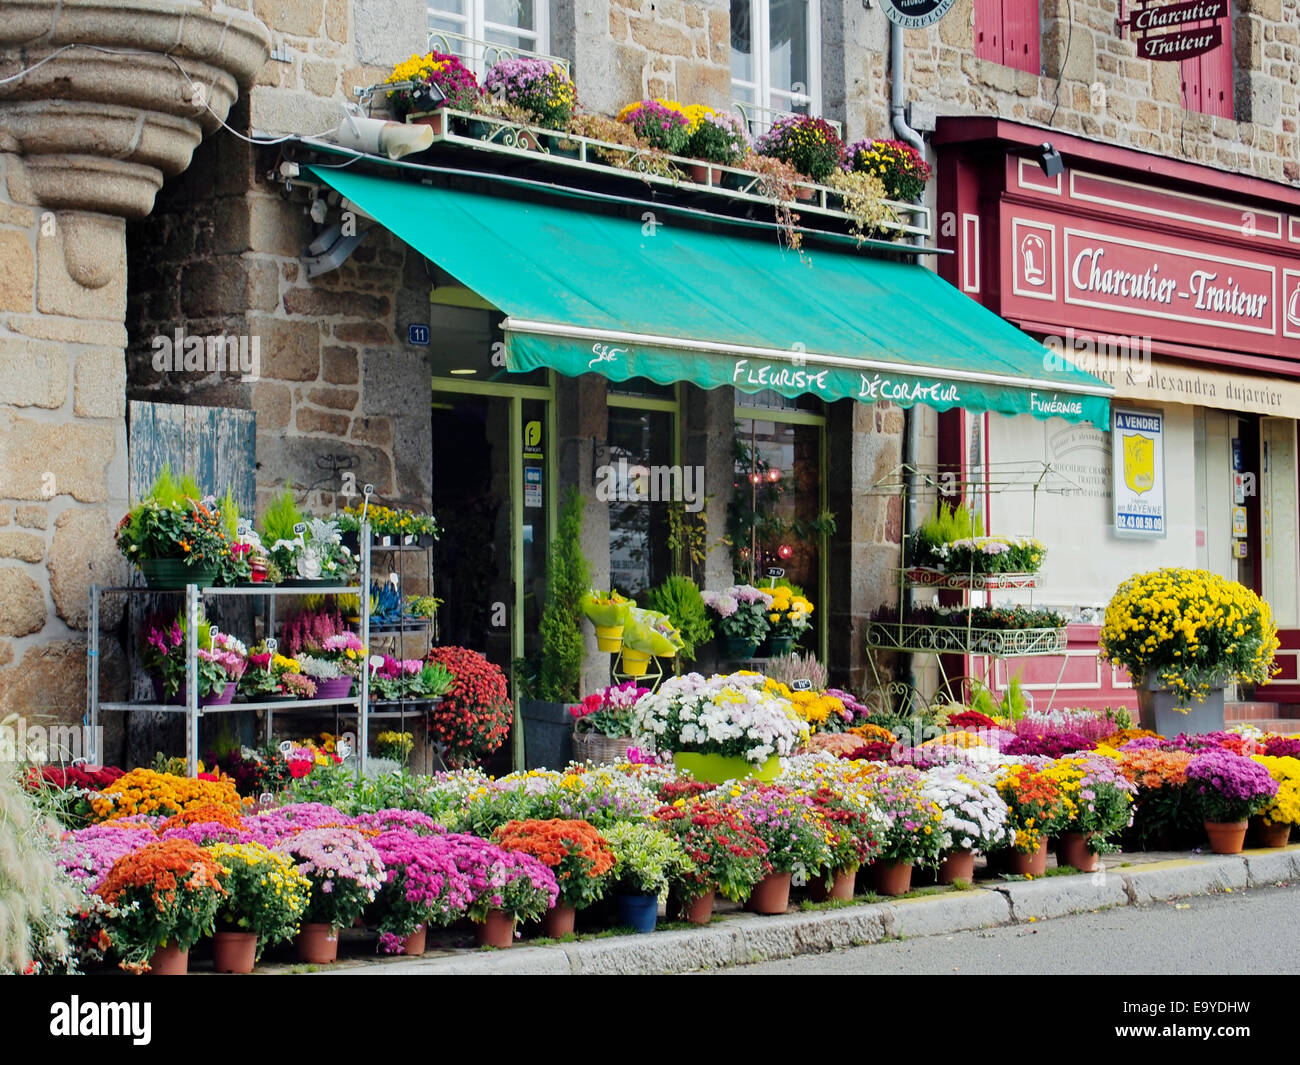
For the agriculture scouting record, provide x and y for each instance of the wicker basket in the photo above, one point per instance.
(595, 747)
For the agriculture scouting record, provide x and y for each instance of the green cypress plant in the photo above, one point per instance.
(568, 576)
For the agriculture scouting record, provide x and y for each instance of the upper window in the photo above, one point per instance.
(1207, 79)
(506, 27)
(776, 56)
(1007, 32)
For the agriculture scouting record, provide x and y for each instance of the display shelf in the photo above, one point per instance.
(956, 639)
(924, 577)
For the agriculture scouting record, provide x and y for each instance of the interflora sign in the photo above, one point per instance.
(915, 14)
(1172, 31)
(1138, 487)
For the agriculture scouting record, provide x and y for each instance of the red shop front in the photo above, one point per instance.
(1179, 285)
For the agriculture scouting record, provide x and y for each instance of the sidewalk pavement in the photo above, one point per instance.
(741, 939)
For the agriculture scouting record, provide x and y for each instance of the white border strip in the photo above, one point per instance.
(1200, 220)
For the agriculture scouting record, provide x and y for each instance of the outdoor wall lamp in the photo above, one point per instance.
(1050, 160)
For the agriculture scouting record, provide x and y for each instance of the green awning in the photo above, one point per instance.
(584, 291)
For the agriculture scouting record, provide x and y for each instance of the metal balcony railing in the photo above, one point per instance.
(480, 56)
(759, 119)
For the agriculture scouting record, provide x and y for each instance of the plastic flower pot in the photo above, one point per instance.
(637, 911)
(334, 688)
(892, 878)
(1072, 849)
(717, 768)
(234, 952)
(1271, 835)
(1227, 837)
(635, 663)
(841, 887)
(1021, 864)
(171, 573)
(609, 638)
(169, 961)
(957, 865)
(780, 645)
(221, 698)
(413, 945)
(704, 174)
(318, 943)
(558, 921)
(736, 648)
(771, 895)
(497, 929)
(699, 910)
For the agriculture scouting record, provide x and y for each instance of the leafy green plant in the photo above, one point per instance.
(946, 524)
(679, 598)
(646, 859)
(568, 576)
(688, 540)
(279, 518)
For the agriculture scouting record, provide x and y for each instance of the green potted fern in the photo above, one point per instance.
(679, 598)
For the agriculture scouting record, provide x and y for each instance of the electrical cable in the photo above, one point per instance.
(1069, 39)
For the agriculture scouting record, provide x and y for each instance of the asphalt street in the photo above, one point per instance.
(1239, 933)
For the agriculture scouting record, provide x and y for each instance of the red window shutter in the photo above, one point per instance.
(988, 30)
(1020, 35)
(1216, 76)
(1190, 70)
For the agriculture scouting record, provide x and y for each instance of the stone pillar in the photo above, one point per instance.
(582, 421)
(864, 449)
(708, 421)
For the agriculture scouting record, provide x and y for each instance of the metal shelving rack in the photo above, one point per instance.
(194, 595)
(401, 709)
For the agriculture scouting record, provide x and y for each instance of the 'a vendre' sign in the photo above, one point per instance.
(1165, 32)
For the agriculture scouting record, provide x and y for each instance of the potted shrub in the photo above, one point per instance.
(646, 861)
(346, 874)
(1274, 823)
(602, 726)
(975, 818)
(538, 87)
(794, 832)
(727, 856)
(1183, 634)
(264, 901)
(742, 620)
(174, 537)
(459, 87)
(899, 166)
(722, 728)
(1098, 802)
(473, 718)
(422, 886)
(506, 887)
(166, 895)
(663, 124)
(1231, 790)
(718, 137)
(809, 144)
(679, 599)
(574, 851)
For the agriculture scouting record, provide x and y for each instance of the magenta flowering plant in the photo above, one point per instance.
(809, 144)
(1230, 787)
(446, 71)
(391, 820)
(344, 649)
(88, 853)
(206, 833)
(915, 833)
(659, 123)
(510, 881)
(788, 822)
(1049, 745)
(345, 871)
(540, 87)
(609, 711)
(282, 822)
(423, 884)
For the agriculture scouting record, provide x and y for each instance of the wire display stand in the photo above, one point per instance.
(354, 706)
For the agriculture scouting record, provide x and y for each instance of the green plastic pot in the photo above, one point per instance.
(718, 768)
(171, 573)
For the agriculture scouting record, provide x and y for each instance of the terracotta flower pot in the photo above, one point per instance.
(169, 961)
(1276, 835)
(1072, 849)
(234, 952)
(318, 943)
(770, 895)
(413, 945)
(892, 878)
(699, 910)
(841, 889)
(957, 865)
(1227, 837)
(497, 929)
(1021, 864)
(558, 921)
(704, 174)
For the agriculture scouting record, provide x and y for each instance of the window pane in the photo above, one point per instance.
(641, 386)
(467, 345)
(518, 13)
(638, 526)
(447, 7)
(789, 57)
(526, 41)
(742, 41)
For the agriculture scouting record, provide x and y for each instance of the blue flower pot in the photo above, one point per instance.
(638, 912)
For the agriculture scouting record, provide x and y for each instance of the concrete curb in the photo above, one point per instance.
(744, 939)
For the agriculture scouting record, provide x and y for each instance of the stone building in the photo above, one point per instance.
(153, 218)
